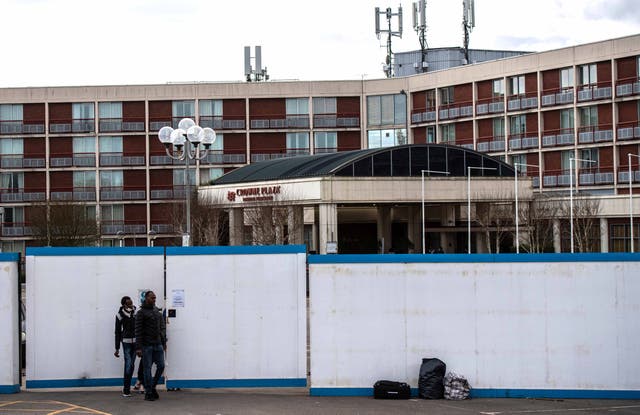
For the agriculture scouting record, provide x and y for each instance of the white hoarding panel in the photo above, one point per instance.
(514, 325)
(240, 316)
(9, 324)
(73, 295)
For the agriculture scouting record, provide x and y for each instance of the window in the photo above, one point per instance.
(498, 87)
(208, 175)
(84, 179)
(431, 100)
(183, 109)
(111, 178)
(11, 112)
(566, 78)
(325, 142)
(517, 85)
(517, 124)
(13, 216)
(386, 138)
(589, 154)
(12, 182)
(112, 213)
(565, 156)
(218, 145)
(588, 74)
(448, 133)
(11, 147)
(620, 237)
(566, 119)
(83, 145)
(82, 111)
(297, 106)
(110, 144)
(178, 177)
(210, 107)
(431, 134)
(589, 116)
(498, 128)
(386, 110)
(446, 95)
(110, 110)
(298, 143)
(520, 162)
(324, 106)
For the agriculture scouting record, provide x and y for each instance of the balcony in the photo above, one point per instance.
(109, 193)
(623, 174)
(336, 121)
(78, 194)
(75, 160)
(162, 228)
(522, 101)
(628, 130)
(490, 105)
(491, 144)
(595, 134)
(272, 154)
(222, 157)
(455, 110)
(117, 125)
(628, 86)
(127, 227)
(17, 195)
(523, 141)
(32, 161)
(277, 121)
(219, 122)
(557, 96)
(79, 125)
(423, 115)
(465, 143)
(587, 176)
(156, 123)
(12, 229)
(594, 92)
(19, 127)
(118, 159)
(170, 192)
(560, 137)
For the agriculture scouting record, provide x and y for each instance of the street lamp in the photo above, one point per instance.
(631, 198)
(469, 168)
(424, 231)
(571, 163)
(517, 211)
(183, 143)
(152, 236)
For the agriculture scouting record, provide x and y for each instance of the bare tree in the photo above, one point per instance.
(63, 224)
(536, 223)
(208, 221)
(496, 219)
(586, 225)
(274, 223)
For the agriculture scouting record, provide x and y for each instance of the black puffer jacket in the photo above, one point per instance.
(150, 327)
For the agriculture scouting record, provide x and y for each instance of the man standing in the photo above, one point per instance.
(125, 335)
(151, 343)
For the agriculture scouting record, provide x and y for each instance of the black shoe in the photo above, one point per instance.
(149, 397)
(154, 393)
(126, 393)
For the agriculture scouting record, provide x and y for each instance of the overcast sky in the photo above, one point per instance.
(97, 42)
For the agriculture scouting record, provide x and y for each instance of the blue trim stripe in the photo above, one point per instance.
(5, 389)
(500, 393)
(466, 258)
(238, 383)
(237, 250)
(95, 251)
(77, 383)
(9, 257)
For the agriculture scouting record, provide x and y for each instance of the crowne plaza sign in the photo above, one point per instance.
(254, 194)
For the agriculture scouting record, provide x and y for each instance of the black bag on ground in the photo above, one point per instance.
(388, 389)
(431, 379)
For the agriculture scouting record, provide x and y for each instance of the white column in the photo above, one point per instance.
(604, 235)
(236, 226)
(557, 245)
(328, 225)
(414, 227)
(384, 227)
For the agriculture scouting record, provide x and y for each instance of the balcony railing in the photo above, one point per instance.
(455, 110)
(13, 195)
(31, 161)
(280, 121)
(77, 160)
(523, 141)
(557, 96)
(128, 227)
(594, 92)
(77, 125)
(122, 193)
(522, 101)
(623, 174)
(272, 154)
(10, 229)
(595, 134)
(628, 86)
(490, 105)
(420, 115)
(118, 159)
(628, 130)
(336, 120)
(162, 227)
(117, 125)
(220, 122)
(19, 127)
(170, 192)
(80, 194)
(221, 157)
(586, 176)
(491, 144)
(560, 137)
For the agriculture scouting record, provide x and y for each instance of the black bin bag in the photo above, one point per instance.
(431, 379)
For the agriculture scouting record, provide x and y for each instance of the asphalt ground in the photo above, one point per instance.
(283, 402)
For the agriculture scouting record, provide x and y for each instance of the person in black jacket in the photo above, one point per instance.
(125, 335)
(151, 343)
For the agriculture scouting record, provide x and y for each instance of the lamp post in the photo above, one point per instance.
(183, 143)
(571, 164)
(424, 231)
(517, 211)
(629, 155)
(469, 168)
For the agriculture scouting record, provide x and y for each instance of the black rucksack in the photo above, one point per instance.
(431, 379)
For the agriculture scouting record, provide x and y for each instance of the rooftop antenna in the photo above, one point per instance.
(468, 23)
(258, 74)
(388, 67)
(420, 26)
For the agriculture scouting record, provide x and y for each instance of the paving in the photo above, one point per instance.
(284, 402)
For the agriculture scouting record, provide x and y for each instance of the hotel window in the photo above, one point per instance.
(12, 182)
(519, 162)
(11, 112)
(566, 119)
(111, 178)
(386, 110)
(324, 106)
(297, 143)
(431, 100)
(498, 88)
(517, 124)
(620, 236)
(84, 180)
(589, 116)
(110, 144)
(566, 78)
(446, 95)
(218, 145)
(325, 141)
(178, 177)
(112, 213)
(110, 110)
(431, 134)
(589, 154)
(183, 109)
(516, 84)
(386, 138)
(210, 107)
(84, 145)
(13, 216)
(565, 156)
(82, 111)
(297, 106)
(448, 133)
(11, 147)
(209, 175)
(588, 74)
(498, 128)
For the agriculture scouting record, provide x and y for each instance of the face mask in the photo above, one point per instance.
(128, 309)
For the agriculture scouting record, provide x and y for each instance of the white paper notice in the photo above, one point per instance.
(177, 298)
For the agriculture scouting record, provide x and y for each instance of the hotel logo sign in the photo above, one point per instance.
(254, 194)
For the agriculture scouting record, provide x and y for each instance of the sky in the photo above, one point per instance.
(114, 42)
